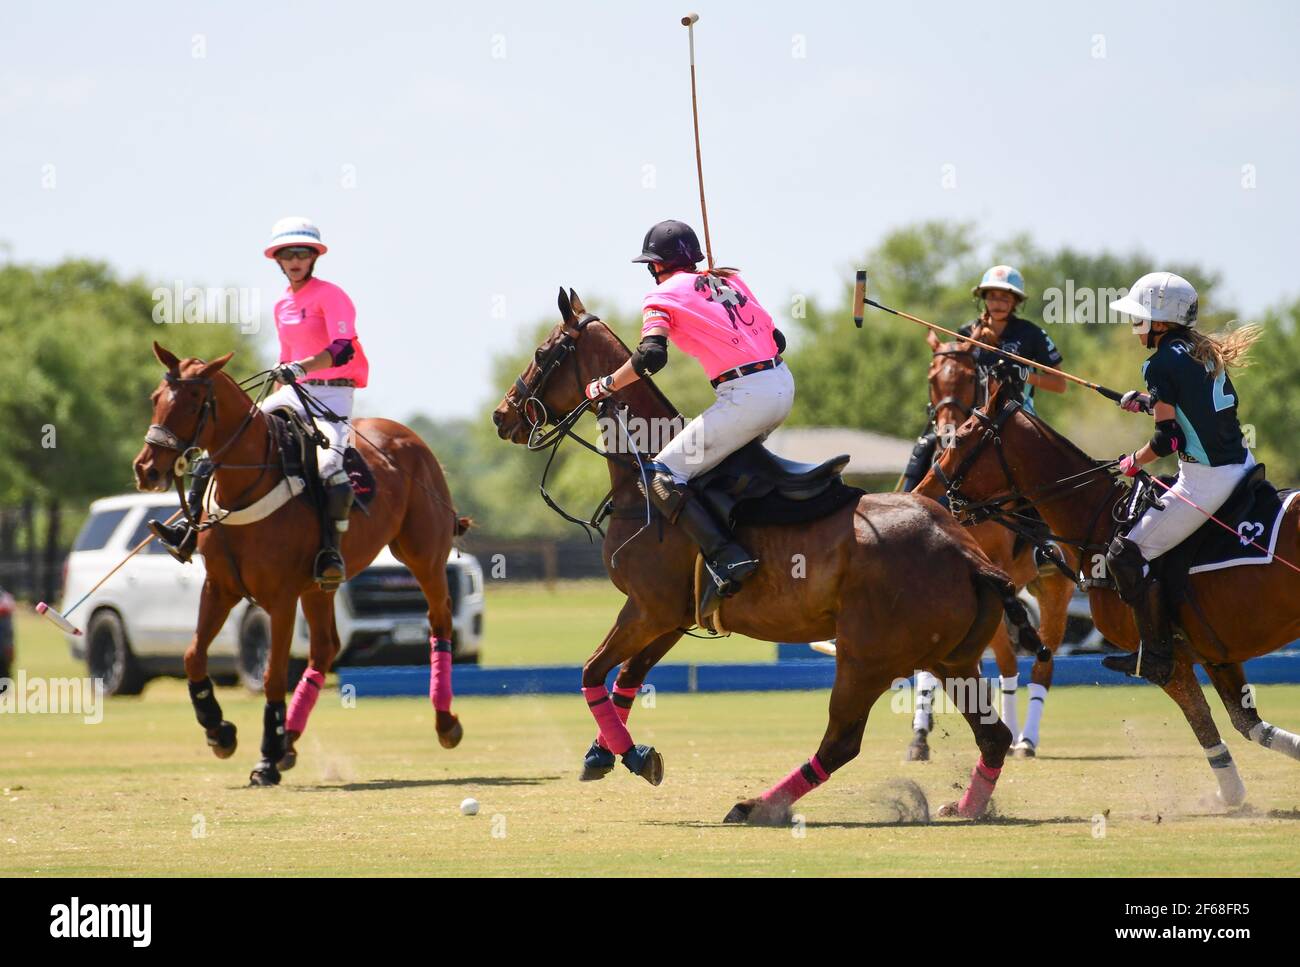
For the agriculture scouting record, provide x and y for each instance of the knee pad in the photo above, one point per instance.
(667, 494)
(1128, 568)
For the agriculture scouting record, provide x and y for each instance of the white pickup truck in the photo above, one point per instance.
(138, 625)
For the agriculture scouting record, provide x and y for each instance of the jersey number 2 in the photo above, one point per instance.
(1222, 400)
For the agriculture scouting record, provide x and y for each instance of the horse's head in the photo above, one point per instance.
(988, 455)
(184, 419)
(954, 385)
(574, 353)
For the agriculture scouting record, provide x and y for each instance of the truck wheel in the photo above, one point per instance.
(108, 655)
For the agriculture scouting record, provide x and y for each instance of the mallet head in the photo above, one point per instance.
(859, 297)
(64, 624)
(690, 19)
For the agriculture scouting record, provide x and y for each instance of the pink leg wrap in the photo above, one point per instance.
(976, 798)
(440, 674)
(304, 700)
(797, 784)
(613, 733)
(624, 696)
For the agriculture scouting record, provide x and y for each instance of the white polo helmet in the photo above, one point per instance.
(295, 230)
(1001, 277)
(1161, 297)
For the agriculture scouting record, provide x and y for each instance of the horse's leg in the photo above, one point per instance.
(1184, 689)
(629, 637)
(991, 736)
(858, 683)
(1053, 593)
(1009, 682)
(1239, 699)
(918, 750)
(599, 761)
(275, 684)
(214, 607)
(318, 608)
(431, 571)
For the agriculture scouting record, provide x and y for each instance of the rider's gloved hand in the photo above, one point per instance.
(1135, 401)
(1005, 371)
(289, 373)
(598, 389)
(1128, 465)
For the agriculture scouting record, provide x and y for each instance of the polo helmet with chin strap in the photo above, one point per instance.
(1161, 297)
(1001, 277)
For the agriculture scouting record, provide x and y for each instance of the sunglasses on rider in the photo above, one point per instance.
(295, 252)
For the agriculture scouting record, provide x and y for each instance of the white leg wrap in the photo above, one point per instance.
(1009, 714)
(1232, 791)
(1034, 715)
(922, 720)
(1279, 740)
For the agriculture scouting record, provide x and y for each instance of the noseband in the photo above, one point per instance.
(163, 436)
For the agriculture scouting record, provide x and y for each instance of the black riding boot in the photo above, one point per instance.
(1154, 659)
(919, 464)
(330, 571)
(179, 540)
(726, 561)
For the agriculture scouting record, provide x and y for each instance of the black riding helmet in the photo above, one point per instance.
(672, 244)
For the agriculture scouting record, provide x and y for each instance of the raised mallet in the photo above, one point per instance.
(61, 619)
(860, 302)
(689, 23)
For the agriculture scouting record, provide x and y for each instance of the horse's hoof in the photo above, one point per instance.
(450, 736)
(644, 761)
(597, 763)
(1024, 749)
(759, 812)
(919, 749)
(223, 740)
(290, 757)
(264, 774)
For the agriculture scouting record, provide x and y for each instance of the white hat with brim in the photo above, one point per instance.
(289, 232)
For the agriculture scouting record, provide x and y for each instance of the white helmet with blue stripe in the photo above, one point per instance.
(295, 231)
(1001, 277)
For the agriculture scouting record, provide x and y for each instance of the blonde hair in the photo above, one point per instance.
(1222, 350)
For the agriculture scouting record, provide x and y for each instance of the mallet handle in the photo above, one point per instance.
(133, 552)
(689, 23)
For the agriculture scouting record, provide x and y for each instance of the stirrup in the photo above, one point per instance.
(329, 570)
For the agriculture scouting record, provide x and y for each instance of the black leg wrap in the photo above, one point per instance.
(919, 464)
(206, 708)
(442, 644)
(273, 731)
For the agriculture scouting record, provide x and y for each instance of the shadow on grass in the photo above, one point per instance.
(889, 823)
(382, 784)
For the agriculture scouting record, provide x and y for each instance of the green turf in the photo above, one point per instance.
(375, 794)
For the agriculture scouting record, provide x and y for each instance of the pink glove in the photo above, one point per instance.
(1136, 402)
(598, 389)
(1128, 465)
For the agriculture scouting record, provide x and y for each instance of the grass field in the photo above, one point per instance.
(374, 793)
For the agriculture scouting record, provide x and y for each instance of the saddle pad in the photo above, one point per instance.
(363, 481)
(776, 509)
(1261, 525)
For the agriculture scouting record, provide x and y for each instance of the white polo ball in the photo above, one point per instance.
(469, 807)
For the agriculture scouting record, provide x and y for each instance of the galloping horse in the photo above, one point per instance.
(1003, 457)
(198, 407)
(853, 574)
(955, 390)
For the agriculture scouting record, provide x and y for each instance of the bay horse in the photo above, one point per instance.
(955, 390)
(855, 575)
(1003, 457)
(199, 407)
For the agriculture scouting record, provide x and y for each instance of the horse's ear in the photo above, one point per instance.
(166, 357)
(216, 364)
(576, 304)
(566, 310)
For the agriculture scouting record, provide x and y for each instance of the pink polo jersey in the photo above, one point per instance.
(308, 320)
(716, 320)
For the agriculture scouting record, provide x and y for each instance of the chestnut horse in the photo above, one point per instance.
(270, 560)
(954, 392)
(1003, 455)
(855, 574)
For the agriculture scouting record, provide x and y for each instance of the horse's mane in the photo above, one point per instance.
(1059, 439)
(647, 380)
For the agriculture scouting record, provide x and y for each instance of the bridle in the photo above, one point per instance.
(548, 360)
(932, 411)
(1007, 510)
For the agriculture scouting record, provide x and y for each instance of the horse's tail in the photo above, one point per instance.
(462, 525)
(1023, 635)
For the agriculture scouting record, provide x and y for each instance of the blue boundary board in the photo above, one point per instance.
(755, 677)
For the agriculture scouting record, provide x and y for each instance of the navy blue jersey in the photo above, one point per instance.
(1023, 338)
(1205, 405)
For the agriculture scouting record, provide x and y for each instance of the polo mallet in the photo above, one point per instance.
(860, 302)
(61, 619)
(689, 23)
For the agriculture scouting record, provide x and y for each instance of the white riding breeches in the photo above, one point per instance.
(338, 399)
(746, 408)
(1161, 529)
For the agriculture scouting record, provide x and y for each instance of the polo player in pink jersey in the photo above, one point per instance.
(316, 323)
(714, 317)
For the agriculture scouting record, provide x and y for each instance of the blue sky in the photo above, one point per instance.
(465, 160)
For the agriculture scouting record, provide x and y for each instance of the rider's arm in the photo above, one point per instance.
(1164, 414)
(654, 342)
(1047, 353)
(1052, 382)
